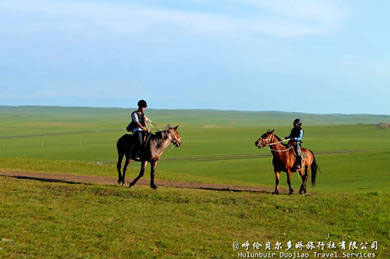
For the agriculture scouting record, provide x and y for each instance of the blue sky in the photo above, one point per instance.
(302, 56)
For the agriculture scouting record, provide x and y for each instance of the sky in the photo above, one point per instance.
(319, 56)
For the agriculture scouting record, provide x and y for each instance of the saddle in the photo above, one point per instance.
(146, 137)
(294, 152)
(134, 151)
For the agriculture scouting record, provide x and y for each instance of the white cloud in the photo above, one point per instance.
(310, 10)
(275, 18)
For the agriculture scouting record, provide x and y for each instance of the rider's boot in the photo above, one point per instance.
(298, 163)
(137, 155)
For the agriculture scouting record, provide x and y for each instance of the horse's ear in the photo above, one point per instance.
(169, 126)
(272, 131)
(176, 127)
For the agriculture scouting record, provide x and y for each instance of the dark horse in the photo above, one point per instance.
(284, 158)
(155, 145)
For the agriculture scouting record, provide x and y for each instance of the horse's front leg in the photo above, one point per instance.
(289, 182)
(277, 179)
(152, 171)
(118, 166)
(141, 173)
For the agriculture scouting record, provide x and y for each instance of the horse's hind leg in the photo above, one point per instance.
(125, 168)
(118, 166)
(302, 190)
(141, 173)
(306, 177)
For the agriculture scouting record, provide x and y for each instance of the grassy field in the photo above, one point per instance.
(349, 202)
(217, 146)
(62, 220)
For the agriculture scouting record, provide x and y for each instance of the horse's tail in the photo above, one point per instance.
(314, 168)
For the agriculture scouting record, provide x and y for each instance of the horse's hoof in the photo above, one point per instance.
(291, 192)
(153, 187)
(131, 185)
(275, 193)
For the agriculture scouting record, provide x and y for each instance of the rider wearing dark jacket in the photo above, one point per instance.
(296, 137)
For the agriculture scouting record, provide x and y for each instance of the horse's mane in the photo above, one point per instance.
(279, 139)
(162, 134)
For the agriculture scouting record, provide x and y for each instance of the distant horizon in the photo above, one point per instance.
(191, 109)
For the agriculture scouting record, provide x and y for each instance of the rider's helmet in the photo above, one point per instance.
(297, 123)
(142, 104)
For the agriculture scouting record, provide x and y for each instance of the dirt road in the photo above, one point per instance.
(90, 179)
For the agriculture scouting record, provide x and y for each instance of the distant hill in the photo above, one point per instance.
(205, 117)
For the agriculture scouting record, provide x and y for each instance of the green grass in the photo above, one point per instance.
(61, 220)
(41, 219)
(217, 146)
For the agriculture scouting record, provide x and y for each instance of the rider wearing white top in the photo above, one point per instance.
(139, 120)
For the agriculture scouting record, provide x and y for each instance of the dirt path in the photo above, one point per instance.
(91, 179)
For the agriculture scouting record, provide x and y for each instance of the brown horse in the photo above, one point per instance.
(154, 148)
(284, 159)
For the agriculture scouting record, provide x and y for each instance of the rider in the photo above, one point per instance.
(140, 126)
(296, 137)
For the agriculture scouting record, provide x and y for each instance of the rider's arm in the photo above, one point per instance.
(134, 117)
(140, 125)
(146, 122)
(300, 136)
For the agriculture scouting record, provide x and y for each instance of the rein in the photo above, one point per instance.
(170, 149)
(153, 125)
(167, 134)
(173, 138)
(284, 150)
(275, 143)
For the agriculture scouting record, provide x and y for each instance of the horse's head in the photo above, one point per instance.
(265, 139)
(174, 136)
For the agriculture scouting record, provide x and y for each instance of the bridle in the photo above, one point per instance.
(273, 143)
(265, 144)
(174, 140)
(269, 139)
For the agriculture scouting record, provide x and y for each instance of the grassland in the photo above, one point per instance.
(73, 221)
(349, 202)
(217, 146)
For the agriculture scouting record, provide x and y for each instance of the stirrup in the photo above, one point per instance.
(136, 158)
(136, 155)
(297, 165)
